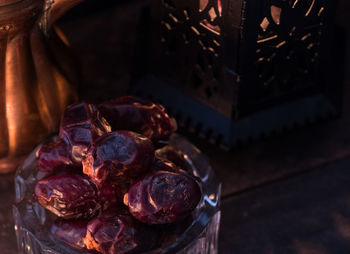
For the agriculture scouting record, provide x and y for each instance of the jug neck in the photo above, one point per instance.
(19, 15)
(57, 8)
(10, 6)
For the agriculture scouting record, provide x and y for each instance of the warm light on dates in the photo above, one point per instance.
(139, 115)
(163, 197)
(68, 196)
(81, 124)
(118, 155)
(56, 157)
(70, 232)
(93, 170)
(119, 233)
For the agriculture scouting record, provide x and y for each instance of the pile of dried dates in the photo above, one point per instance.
(111, 191)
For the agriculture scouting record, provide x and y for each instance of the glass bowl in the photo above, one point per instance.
(32, 222)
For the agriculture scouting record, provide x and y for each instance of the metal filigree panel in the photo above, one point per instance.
(240, 68)
(239, 56)
(286, 60)
(191, 44)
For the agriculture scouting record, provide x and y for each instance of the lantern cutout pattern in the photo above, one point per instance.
(288, 47)
(236, 70)
(196, 40)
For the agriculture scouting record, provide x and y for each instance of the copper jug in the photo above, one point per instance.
(36, 75)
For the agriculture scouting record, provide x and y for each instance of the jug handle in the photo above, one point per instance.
(54, 9)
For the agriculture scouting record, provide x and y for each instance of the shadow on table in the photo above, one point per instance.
(303, 215)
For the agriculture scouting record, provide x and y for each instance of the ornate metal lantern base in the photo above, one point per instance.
(233, 70)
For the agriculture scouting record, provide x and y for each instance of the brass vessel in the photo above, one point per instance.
(36, 75)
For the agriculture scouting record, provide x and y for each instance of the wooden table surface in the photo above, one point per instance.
(287, 194)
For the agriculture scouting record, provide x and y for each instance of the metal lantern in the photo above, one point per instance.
(236, 69)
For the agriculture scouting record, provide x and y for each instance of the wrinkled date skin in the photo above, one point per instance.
(135, 114)
(117, 165)
(56, 157)
(163, 197)
(68, 196)
(70, 232)
(81, 124)
(119, 233)
(119, 155)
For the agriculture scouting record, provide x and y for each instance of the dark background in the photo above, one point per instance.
(287, 194)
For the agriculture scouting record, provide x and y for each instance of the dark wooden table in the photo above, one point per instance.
(287, 194)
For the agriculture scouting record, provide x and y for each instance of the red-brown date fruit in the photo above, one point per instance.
(119, 233)
(81, 124)
(70, 232)
(118, 155)
(68, 196)
(56, 157)
(142, 116)
(111, 194)
(174, 155)
(163, 197)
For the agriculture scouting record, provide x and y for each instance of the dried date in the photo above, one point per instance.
(56, 157)
(68, 196)
(139, 115)
(118, 156)
(70, 232)
(81, 124)
(118, 232)
(163, 197)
